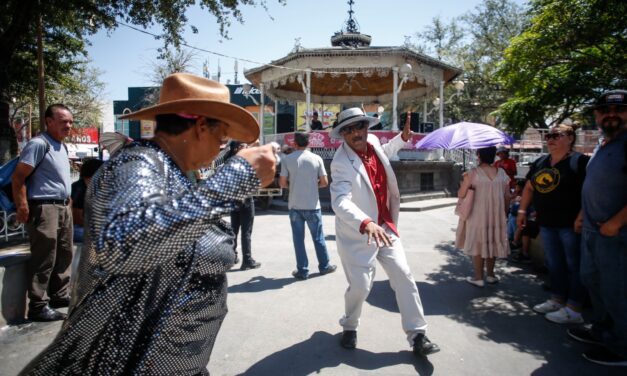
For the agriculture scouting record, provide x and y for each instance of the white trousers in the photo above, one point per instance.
(360, 280)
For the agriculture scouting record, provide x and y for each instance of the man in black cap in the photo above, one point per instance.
(604, 236)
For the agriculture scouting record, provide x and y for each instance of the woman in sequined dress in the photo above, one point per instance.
(151, 286)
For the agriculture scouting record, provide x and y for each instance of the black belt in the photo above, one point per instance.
(49, 202)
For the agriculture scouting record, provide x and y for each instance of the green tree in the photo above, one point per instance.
(68, 23)
(569, 52)
(172, 60)
(82, 93)
(440, 40)
(475, 42)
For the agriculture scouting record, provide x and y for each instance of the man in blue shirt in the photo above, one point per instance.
(604, 236)
(41, 189)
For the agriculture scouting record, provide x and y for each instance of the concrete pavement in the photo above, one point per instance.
(280, 326)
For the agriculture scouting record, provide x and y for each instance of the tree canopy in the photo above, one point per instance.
(567, 55)
(68, 23)
(475, 42)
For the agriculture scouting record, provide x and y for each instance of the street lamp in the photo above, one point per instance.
(404, 71)
(438, 104)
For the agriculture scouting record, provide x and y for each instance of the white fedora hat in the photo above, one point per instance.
(351, 116)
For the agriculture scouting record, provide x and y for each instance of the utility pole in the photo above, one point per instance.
(40, 74)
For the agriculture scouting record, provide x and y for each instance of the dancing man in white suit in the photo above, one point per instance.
(366, 202)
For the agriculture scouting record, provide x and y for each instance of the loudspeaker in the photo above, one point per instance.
(426, 127)
(414, 123)
(284, 123)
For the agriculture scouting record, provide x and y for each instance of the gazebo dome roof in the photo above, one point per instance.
(347, 74)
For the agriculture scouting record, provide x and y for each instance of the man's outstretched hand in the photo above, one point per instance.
(407, 128)
(377, 233)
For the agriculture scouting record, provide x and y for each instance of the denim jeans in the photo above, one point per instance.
(604, 273)
(313, 218)
(563, 254)
(511, 227)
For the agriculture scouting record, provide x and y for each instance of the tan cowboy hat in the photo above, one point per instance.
(193, 95)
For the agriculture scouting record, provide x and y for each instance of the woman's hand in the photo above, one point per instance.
(263, 160)
(521, 219)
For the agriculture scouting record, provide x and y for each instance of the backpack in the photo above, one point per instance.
(7, 170)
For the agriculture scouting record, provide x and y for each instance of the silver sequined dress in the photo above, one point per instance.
(151, 290)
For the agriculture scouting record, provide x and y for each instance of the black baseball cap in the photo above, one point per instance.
(612, 98)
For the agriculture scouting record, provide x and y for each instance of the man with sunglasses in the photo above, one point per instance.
(604, 236)
(366, 202)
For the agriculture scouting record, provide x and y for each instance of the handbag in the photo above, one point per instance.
(464, 205)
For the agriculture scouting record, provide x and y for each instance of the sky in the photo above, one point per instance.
(124, 55)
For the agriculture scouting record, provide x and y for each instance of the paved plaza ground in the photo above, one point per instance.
(280, 326)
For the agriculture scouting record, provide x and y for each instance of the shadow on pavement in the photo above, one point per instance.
(502, 312)
(261, 283)
(322, 351)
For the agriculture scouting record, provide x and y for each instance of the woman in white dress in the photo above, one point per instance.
(485, 230)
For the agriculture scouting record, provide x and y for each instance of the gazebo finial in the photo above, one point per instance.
(351, 24)
(350, 35)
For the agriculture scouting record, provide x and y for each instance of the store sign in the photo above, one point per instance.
(83, 136)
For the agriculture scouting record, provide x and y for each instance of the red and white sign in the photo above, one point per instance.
(322, 139)
(83, 136)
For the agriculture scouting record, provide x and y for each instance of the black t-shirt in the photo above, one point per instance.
(316, 125)
(79, 189)
(557, 189)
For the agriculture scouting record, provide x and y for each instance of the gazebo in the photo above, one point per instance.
(352, 71)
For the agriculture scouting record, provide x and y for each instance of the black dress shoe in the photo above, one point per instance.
(349, 339)
(250, 264)
(422, 345)
(299, 275)
(59, 303)
(46, 314)
(328, 270)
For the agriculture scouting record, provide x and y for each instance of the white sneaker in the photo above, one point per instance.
(477, 282)
(546, 307)
(491, 280)
(564, 316)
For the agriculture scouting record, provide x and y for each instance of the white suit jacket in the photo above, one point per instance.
(353, 199)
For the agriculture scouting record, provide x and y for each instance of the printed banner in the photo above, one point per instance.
(147, 129)
(322, 139)
(326, 114)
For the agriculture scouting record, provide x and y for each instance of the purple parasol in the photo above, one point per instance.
(464, 135)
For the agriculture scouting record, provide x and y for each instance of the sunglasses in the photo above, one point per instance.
(608, 109)
(553, 136)
(354, 127)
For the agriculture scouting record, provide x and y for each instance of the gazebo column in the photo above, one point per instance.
(441, 104)
(261, 114)
(276, 116)
(395, 98)
(308, 99)
(424, 111)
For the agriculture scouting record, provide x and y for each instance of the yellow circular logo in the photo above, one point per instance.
(546, 180)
